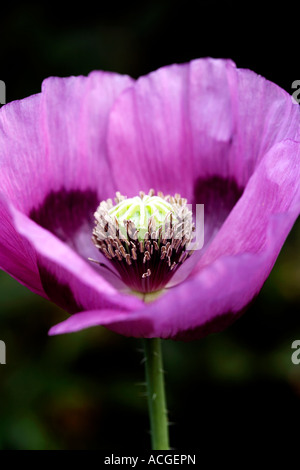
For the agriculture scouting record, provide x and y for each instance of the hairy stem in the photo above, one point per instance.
(156, 394)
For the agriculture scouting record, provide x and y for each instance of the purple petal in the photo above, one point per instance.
(199, 129)
(184, 126)
(53, 163)
(130, 322)
(272, 189)
(166, 124)
(56, 140)
(17, 256)
(69, 215)
(66, 278)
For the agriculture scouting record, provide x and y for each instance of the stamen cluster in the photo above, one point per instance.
(146, 256)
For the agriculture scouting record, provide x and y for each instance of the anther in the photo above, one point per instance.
(111, 251)
(123, 252)
(133, 254)
(146, 274)
(105, 252)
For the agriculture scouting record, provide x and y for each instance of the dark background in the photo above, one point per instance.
(84, 391)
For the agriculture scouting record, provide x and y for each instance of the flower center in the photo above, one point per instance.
(145, 237)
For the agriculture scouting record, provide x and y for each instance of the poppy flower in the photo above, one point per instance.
(203, 132)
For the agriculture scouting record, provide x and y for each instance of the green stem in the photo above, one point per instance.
(156, 394)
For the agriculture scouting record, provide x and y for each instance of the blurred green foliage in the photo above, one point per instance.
(85, 390)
